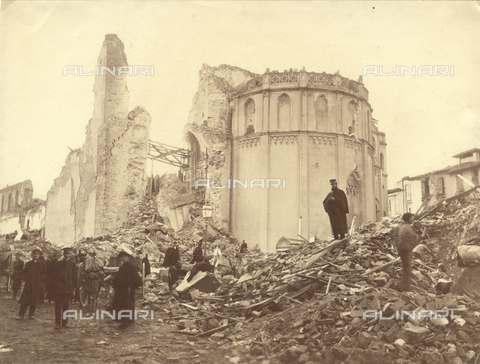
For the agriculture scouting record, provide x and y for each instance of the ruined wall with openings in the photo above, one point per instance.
(14, 200)
(101, 181)
(208, 133)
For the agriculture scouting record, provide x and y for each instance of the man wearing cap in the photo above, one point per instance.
(336, 206)
(197, 253)
(64, 280)
(34, 276)
(124, 284)
(406, 240)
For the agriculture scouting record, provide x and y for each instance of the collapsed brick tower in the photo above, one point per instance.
(102, 180)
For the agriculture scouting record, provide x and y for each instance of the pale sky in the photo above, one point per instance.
(427, 119)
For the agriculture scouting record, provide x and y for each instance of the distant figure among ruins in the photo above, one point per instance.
(336, 206)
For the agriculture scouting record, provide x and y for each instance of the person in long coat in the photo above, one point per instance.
(336, 206)
(18, 265)
(53, 259)
(172, 262)
(197, 253)
(124, 284)
(64, 281)
(33, 292)
(147, 265)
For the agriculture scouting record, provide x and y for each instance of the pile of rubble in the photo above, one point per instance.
(144, 232)
(25, 246)
(308, 305)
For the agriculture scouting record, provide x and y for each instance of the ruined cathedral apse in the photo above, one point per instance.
(302, 128)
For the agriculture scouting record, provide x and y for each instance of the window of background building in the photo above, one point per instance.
(440, 186)
(460, 186)
(425, 189)
(408, 193)
(475, 177)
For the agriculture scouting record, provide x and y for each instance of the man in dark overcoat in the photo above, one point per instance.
(18, 265)
(336, 206)
(33, 292)
(197, 253)
(64, 280)
(53, 259)
(124, 284)
(172, 262)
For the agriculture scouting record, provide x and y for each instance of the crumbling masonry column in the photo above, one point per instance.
(101, 181)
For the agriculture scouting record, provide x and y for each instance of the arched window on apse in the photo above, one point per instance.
(321, 110)
(250, 116)
(284, 113)
(351, 117)
(381, 161)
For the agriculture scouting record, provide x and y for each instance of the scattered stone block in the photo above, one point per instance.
(218, 336)
(390, 335)
(416, 332)
(403, 354)
(432, 357)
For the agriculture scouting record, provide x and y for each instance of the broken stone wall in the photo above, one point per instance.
(101, 181)
(209, 121)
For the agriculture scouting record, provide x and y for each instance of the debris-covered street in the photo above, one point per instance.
(304, 305)
(36, 341)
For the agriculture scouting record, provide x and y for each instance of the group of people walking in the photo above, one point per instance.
(60, 278)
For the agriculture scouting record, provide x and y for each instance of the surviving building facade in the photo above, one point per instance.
(302, 128)
(423, 191)
(19, 211)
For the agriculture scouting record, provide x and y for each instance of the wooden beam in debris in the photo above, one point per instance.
(167, 153)
(448, 200)
(383, 266)
(422, 206)
(322, 251)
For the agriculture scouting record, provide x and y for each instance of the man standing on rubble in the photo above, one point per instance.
(172, 262)
(336, 206)
(197, 253)
(124, 284)
(406, 241)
